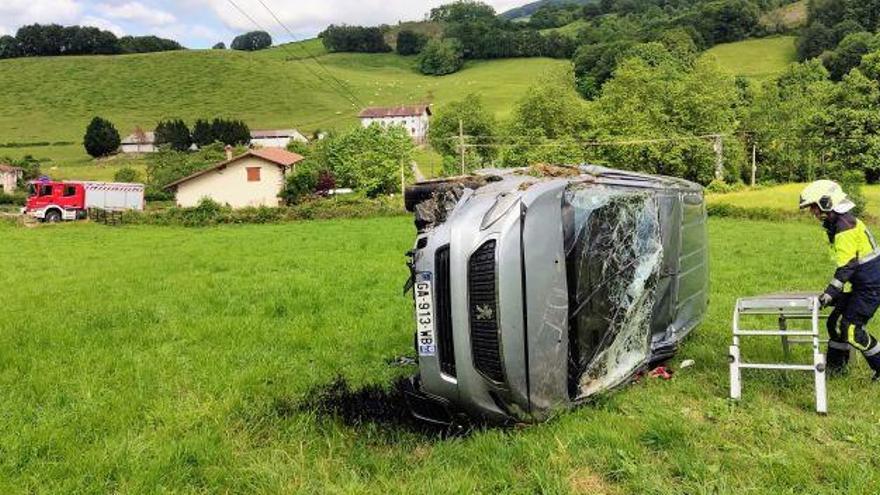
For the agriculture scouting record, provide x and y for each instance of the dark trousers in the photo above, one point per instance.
(846, 328)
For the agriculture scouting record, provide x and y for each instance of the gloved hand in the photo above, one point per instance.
(825, 299)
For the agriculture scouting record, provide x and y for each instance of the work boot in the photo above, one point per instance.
(837, 359)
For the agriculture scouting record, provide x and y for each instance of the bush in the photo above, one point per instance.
(175, 134)
(209, 213)
(300, 184)
(147, 44)
(252, 41)
(17, 198)
(127, 174)
(101, 138)
(219, 46)
(410, 42)
(441, 57)
(300, 148)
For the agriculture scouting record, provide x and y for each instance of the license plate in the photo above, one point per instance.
(424, 292)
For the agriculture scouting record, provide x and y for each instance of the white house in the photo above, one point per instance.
(414, 118)
(252, 179)
(9, 177)
(276, 139)
(139, 142)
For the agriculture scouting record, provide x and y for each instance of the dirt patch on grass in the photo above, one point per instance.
(386, 406)
(584, 481)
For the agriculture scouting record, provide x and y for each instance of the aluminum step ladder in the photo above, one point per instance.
(784, 307)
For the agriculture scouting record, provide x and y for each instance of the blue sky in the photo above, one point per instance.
(201, 23)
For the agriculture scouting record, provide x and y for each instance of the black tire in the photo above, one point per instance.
(53, 216)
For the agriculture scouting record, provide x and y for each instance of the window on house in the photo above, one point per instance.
(253, 174)
(69, 191)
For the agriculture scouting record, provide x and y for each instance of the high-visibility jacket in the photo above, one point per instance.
(855, 253)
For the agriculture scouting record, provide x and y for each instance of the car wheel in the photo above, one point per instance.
(53, 216)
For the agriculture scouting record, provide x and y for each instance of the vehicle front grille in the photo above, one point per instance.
(442, 295)
(482, 297)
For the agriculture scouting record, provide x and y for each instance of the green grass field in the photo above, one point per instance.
(145, 359)
(785, 197)
(53, 99)
(758, 58)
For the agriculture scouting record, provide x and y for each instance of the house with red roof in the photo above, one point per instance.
(252, 179)
(415, 119)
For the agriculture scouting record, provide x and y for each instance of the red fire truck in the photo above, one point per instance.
(53, 201)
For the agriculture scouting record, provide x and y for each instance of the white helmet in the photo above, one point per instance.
(827, 195)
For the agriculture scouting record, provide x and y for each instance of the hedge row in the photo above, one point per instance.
(209, 213)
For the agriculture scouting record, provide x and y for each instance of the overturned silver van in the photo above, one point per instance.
(535, 289)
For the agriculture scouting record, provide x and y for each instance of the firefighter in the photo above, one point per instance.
(854, 291)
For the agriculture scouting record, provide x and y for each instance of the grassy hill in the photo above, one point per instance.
(758, 58)
(53, 99)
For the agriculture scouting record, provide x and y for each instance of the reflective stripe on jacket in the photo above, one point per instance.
(855, 253)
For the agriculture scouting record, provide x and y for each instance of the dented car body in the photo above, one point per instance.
(534, 290)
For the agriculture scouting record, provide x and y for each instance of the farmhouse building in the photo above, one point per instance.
(139, 142)
(277, 138)
(252, 179)
(414, 118)
(9, 177)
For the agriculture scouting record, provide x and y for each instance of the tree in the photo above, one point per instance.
(594, 65)
(410, 42)
(219, 46)
(815, 39)
(175, 134)
(354, 39)
(476, 122)
(101, 138)
(127, 174)
(724, 21)
(9, 47)
(230, 132)
(369, 159)
(441, 57)
(851, 127)
(848, 54)
(781, 122)
(462, 11)
(147, 44)
(202, 133)
(646, 102)
(252, 41)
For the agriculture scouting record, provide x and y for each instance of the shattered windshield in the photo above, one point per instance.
(613, 253)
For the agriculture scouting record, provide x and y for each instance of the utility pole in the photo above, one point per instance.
(754, 162)
(402, 179)
(461, 143)
(719, 157)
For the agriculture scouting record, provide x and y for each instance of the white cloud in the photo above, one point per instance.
(102, 23)
(136, 12)
(307, 17)
(16, 13)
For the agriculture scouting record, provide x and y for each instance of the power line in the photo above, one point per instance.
(342, 92)
(309, 55)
